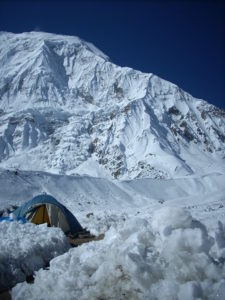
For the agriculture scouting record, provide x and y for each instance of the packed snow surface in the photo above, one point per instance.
(25, 248)
(171, 256)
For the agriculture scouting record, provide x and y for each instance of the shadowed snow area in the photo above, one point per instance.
(26, 248)
(170, 257)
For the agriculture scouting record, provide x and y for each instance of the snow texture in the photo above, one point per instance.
(25, 248)
(171, 257)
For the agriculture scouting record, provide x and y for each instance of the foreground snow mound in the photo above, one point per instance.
(25, 248)
(171, 257)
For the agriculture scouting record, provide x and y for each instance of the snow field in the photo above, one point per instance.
(168, 256)
(25, 248)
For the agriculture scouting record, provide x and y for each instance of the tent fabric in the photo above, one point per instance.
(57, 217)
(41, 215)
(9, 219)
(53, 211)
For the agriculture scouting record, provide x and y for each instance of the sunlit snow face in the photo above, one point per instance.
(66, 109)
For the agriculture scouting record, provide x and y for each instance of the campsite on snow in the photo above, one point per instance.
(111, 180)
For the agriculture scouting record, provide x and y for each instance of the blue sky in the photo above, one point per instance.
(180, 41)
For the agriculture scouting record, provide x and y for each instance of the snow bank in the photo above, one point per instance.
(99, 222)
(25, 248)
(170, 257)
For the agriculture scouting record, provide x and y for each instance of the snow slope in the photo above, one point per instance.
(64, 107)
(109, 200)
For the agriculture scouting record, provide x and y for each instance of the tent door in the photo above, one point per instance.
(57, 217)
(41, 216)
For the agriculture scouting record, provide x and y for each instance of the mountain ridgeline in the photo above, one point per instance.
(66, 108)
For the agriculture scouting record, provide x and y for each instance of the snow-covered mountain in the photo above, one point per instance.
(66, 108)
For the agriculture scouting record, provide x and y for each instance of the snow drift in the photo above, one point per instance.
(170, 257)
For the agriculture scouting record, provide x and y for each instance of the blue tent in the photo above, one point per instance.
(46, 209)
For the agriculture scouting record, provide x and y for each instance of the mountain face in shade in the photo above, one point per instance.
(66, 108)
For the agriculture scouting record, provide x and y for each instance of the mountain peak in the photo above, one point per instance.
(40, 36)
(67, 108)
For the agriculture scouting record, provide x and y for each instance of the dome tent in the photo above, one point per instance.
(46, 209)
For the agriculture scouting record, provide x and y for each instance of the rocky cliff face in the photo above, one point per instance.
(65, 108)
